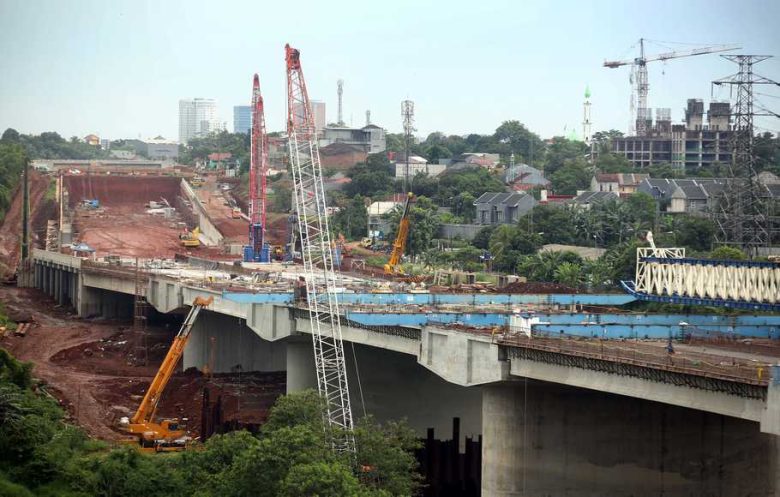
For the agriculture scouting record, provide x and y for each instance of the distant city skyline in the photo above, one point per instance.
(118, 69)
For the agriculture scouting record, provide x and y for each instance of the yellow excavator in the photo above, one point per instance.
(393, 266)
(191, 238)
(167, 435)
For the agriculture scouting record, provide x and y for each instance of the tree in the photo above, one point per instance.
(10, 135)
(561, 150)
(482, 239)
(424, 225)
(569, 274)
(370, 178)
(515, 137)
(574, 175)
(352, 220)
(12, 161)
(602, 140)
(554, 224)
(613, 163)
(727, 253)
(323, 479)
(463, 206)
(696, 233)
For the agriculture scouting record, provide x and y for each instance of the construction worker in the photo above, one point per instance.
(299, 292)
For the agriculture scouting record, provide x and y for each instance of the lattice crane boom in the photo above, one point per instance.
(257, 179)
(640, 78)
(317, 255)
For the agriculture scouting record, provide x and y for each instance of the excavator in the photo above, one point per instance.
(393, 266)
(191, 238)
(167, 435)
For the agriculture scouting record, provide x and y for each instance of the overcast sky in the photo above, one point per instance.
(118, 68)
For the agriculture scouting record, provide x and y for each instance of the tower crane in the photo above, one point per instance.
(258, 249)
(639, 76)
(317, 256)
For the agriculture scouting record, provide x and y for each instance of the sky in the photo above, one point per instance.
(119, 68)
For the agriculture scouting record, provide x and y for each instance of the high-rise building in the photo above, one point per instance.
(687, 147)
(318, 110)
(242, 119)
(197, 117)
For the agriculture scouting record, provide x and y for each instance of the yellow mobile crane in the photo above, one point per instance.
(167, 435)
(399, 245)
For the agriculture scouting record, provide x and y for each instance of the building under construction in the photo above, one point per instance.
(688, 147)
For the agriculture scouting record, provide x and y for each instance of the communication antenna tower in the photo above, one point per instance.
(340, 90)
(407, 112)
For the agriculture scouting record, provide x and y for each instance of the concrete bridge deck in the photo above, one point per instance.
(501, 384)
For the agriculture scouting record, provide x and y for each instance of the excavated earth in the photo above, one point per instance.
(99, 370)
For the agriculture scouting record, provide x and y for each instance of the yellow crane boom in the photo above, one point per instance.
(399, 245)
(167, 434)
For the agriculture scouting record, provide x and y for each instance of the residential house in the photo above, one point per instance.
(584, 200)
(684, 195)
(342, 156)
(503, 208)
(417, 165)
(522, 177)
(378, 225)
(624, 184)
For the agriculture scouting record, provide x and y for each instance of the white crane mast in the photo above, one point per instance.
(317, 255)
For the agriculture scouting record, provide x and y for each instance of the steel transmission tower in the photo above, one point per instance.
(407, 112)
(317, 255)
(743, 215)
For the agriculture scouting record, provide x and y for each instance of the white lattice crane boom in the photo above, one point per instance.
(639, 70)
(317, 255)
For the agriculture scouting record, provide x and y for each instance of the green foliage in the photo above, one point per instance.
(12, 161)
(696, 233)
(237, 144)
(453, 187)
(514, 137)
(50, 145)
(43, 456)
(613, 163)
(424, 225)
(543, 266)
(482, 239)
(11, 370)
(352, 219)
(725, 252)
(570, 274)
(323, 479)
(508, 243)
(372, 178)
(602, 140)
(574, 175)
(662, 171)
(561, 150)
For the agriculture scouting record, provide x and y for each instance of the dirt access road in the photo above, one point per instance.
(95, 369)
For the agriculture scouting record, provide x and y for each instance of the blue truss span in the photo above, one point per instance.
(629, 287)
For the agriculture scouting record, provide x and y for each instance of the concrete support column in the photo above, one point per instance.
(301, 372)
(58, 285)
(503, 421)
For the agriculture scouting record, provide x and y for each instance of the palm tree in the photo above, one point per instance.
(569, 274)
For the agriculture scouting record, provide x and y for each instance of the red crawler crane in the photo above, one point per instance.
(257, 250)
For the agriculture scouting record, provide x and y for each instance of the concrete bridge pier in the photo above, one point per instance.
(543, 439)
(226, 344)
